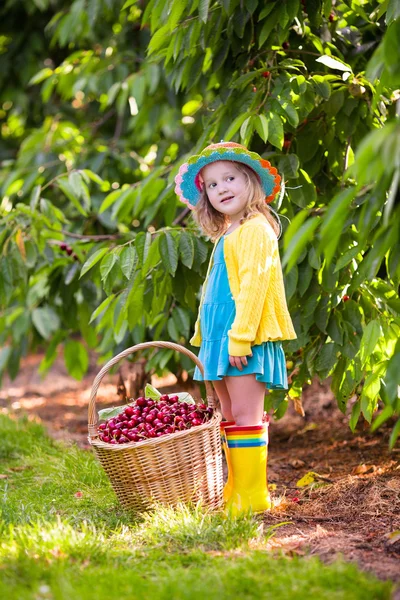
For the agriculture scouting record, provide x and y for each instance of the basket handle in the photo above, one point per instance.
(92, 414)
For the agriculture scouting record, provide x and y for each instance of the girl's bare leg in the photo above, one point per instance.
(247, 399)
(224, 398)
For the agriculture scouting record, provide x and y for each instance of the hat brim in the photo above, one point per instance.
(187, 180)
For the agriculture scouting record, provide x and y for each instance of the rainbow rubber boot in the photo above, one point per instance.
(228, 486)
(248, 452)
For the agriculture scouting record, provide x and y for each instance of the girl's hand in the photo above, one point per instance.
(238, 361)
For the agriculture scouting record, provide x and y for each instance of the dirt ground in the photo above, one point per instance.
(352, 509)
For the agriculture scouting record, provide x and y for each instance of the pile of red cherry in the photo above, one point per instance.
(145, 418)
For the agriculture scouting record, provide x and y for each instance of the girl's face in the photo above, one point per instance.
(226, 188)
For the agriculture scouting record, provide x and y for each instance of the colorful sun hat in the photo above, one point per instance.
(188, 181)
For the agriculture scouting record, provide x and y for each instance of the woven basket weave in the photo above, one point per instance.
(185, 466)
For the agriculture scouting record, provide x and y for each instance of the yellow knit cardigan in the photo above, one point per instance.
(255, 278)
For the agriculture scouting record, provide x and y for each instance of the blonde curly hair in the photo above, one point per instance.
(215, 223)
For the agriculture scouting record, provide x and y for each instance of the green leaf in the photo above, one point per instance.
(75, 182)
(151, 392)
(371, 335)
(267, 27)
(169, 252)
(101, 307)
(246, 129)
(153, 256)
(289, 166)
(92, 260)
(35, 195)
(392, 377)
(347, 257)
(261, 126)
(394, 435)
(128, 3)
(142, 245)
(158, 39)
(333, 63)
(393, 11)
(333, 221)
(326, 359)
(186, 249)
(294, 226)
(182, 321)
(370, 392)
(322, 87)
(46, 321)
(386, 414)
(234, 127)
(355, 415)
(107, 264)
(299, 241)
(5, 354)
(41, 76)
(275, 127)
(110, 413)
(109, 200)
(127, 260)
(76, 358)
(93, 176)
(203, 10)
(65, 186)
(135, 303)
(185, 397)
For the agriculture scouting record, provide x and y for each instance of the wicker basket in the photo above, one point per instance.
(185, 466)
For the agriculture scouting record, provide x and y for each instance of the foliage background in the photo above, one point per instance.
(102, 100)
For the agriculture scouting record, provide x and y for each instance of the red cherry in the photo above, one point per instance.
(164, 397)
(331, 17)
(285, 45)
(254, 88)
(141, 401)
(346, 298)
(129, 411)
(266, 74)
(69, 251)
(106, 438)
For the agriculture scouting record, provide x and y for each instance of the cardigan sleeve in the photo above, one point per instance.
(255, 252)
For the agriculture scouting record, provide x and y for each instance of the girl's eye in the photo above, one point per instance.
(212, 185)
(231, 178)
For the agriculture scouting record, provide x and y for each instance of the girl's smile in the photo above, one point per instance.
(226, 188)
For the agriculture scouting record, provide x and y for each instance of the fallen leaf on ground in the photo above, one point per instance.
(311, 477)
(393, 537)
(22, 468)
(2, 476)
(307, 479)
(361, 469)
(297, 463)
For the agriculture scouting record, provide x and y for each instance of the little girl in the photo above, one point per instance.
(243, 314)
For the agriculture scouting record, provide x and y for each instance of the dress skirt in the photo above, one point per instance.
(216, 317)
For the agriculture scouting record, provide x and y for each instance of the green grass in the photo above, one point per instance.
(57, 546)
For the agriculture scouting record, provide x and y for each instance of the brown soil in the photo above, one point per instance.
(353, 508)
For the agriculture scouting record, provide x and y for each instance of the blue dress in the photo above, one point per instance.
(216, 317)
